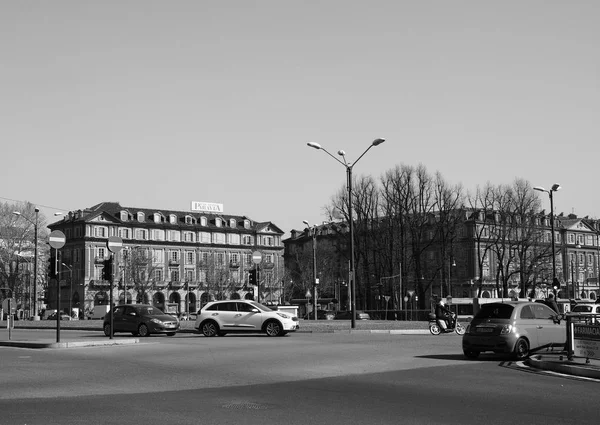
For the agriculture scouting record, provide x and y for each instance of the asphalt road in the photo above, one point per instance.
(298, 379)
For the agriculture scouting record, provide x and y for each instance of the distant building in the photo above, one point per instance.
(176, 260)
(481, 249)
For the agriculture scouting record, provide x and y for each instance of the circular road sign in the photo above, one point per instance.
(114, 243)
(13, 305)
(256, 257)
(57, 239)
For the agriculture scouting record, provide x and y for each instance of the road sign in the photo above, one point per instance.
(57, 239)
(13, 305)
(256, 257)
(114, 243)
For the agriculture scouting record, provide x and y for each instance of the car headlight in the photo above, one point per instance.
(506, 329)
(158, 322)
(285, 316)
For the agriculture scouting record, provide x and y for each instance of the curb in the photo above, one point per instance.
(563, 366)
(69, 344)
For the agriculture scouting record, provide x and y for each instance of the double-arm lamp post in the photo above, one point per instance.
(349, 167)
(555, 187)
(35, 257)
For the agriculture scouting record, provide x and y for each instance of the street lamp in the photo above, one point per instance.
(555, 187)
(314, 261)
(71, 290)
(349, 167)
(35, 258)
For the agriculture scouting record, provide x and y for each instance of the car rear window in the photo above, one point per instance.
(582, 309)
(495, 311)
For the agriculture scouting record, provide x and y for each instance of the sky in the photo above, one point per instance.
(156, 104)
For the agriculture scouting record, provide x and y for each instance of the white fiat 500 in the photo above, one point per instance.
(222, 317)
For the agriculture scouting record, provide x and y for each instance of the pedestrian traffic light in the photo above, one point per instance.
(52, 267)
(252, 277)
(107, 272)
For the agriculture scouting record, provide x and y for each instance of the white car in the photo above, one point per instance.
(588, 308)
(222, 317)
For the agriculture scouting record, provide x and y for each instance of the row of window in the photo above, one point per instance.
(188, 257)
(189, 275)
(187, 219)
(187, 236)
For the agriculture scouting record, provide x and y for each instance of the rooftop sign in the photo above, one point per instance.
(207, 207)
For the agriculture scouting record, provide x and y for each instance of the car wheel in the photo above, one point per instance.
(471, 354)
(143, 330)
(521, 349)
(273, 328)
(107, 329)
(209, 328)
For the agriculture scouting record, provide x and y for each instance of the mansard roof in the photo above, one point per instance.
(111, 212)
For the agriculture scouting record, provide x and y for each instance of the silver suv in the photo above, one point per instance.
(222, 317)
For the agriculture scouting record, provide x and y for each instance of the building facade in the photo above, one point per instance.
(483, 254)
(176, 260)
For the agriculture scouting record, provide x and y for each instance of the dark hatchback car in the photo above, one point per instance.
(142, 320)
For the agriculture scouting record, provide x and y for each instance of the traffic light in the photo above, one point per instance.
(252, 277)
(52, 267)
(107, 272)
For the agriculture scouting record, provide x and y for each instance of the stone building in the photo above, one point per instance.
(189, 258)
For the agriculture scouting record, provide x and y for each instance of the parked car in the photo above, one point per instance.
(321, 315)
(222, 317)
(63, 316)
(515, 327)
(588, 308)
(142, 320)
(347, 315)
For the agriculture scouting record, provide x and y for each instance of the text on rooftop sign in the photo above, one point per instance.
(207, 207)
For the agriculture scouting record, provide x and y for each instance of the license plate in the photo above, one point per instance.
(485, 330)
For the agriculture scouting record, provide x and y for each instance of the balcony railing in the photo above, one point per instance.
(173, 262)
(99, 260)
(267, 265)
(234, 265)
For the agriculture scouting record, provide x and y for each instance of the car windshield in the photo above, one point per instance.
(151, 311)
(260, 306)
(495, 311)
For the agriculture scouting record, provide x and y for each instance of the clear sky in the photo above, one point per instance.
(159, 103)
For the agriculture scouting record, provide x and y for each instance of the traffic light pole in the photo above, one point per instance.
(258, 283)
(58, 312)
(110, 276)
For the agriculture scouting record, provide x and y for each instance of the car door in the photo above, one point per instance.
(225, 315)
(247, 317)
(528, 325)
(130, 319)
(118, 318)
(550, 332)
